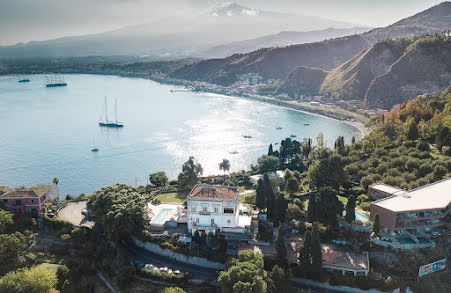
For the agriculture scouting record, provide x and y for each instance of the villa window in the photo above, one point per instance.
(212, 222)
(204, 209)
(32, 201)
(216, 209)
(229, 210)
(197, 220)
(18, 202)
(228, 221)
(193, 207)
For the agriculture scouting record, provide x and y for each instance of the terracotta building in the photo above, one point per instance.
(21, 202)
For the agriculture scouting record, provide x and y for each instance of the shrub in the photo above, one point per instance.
(250, 198)
(423, 146)
(424, 169)
(65, 237)
(439, 171)
(365, 206)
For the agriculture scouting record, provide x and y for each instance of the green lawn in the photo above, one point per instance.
(343, 199)
(170, 197)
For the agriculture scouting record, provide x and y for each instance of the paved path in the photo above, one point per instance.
(145, 256)
(99, 274)
(72, 213)
(315, 286)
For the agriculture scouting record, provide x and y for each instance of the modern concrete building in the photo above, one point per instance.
(381, 190)
(417, 209)
(215, 208)
(23, 201)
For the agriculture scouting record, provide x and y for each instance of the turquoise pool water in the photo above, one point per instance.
(160, 219)
(358, 216)
(405, 240)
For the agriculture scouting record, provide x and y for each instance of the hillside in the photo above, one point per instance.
(384, 75)
(424, 67)
(281, 39)
(430, 21)
(303, 80)
(352, 61)
(352, 79)
(275, 63)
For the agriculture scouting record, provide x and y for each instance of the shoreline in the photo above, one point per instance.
(342, 117)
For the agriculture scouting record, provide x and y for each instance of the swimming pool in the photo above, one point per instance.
(160, 219)
(405, 240)
(358, 216)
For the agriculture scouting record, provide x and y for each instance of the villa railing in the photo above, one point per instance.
(204, 213)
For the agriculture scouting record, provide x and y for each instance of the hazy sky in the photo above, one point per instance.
(27, 20)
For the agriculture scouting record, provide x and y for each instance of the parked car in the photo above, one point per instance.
(150, 267)
(177, 272)
(164, 269)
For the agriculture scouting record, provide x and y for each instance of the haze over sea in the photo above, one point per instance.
(49, 132)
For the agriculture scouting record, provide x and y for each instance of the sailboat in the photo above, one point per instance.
(94, 148)
(55, 81)
(106, 122)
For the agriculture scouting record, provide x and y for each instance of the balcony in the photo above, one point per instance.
(204, 213)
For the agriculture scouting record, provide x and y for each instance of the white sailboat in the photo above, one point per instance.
(106, 122)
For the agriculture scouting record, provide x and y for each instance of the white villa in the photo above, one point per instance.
(215, 208)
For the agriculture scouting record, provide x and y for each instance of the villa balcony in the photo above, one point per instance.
(203, 213)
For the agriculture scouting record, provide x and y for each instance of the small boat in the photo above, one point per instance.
(55, 81)
(247, 136)
(106, 122)
(233, 152)
(276, 143)
(292, 135)
(306, 124)
(94, 148)
(279, 128)
(23, 80)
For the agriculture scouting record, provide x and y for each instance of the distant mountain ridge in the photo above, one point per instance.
(281, 39)
(358, 66)
(177, 36)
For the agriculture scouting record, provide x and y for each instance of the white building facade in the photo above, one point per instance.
(214, 208)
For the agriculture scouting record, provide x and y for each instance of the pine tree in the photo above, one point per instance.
(350, 209)
(317, 258)
(281, 244)
(376, 224)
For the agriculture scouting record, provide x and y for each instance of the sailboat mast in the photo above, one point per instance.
(106, 111)
(115, 110)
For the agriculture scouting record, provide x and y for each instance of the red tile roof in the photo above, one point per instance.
(213, 192)
(21, 193)
(343, 259)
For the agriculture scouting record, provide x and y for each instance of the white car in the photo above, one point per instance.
(177, 272)
(150, 267)
(164, 269)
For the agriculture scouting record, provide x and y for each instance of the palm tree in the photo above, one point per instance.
(224, 165)
(55, 181)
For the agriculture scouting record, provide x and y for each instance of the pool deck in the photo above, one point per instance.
(171, 210)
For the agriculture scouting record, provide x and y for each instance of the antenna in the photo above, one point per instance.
(115, 110)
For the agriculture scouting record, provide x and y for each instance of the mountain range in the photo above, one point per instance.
(362, 67)
(281, 39)
(177, 36)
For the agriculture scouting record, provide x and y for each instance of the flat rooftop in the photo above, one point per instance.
(385, 188)
(436, 195)
(333, 258)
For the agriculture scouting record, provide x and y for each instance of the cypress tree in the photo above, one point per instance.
(317, 258)
(350, 209)
(311, 211)
(270, 198)
(376, 224)
(281, 244)
(270, 151)
(280, 207)
(353, 140)
(305, 255)
(260, 200)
